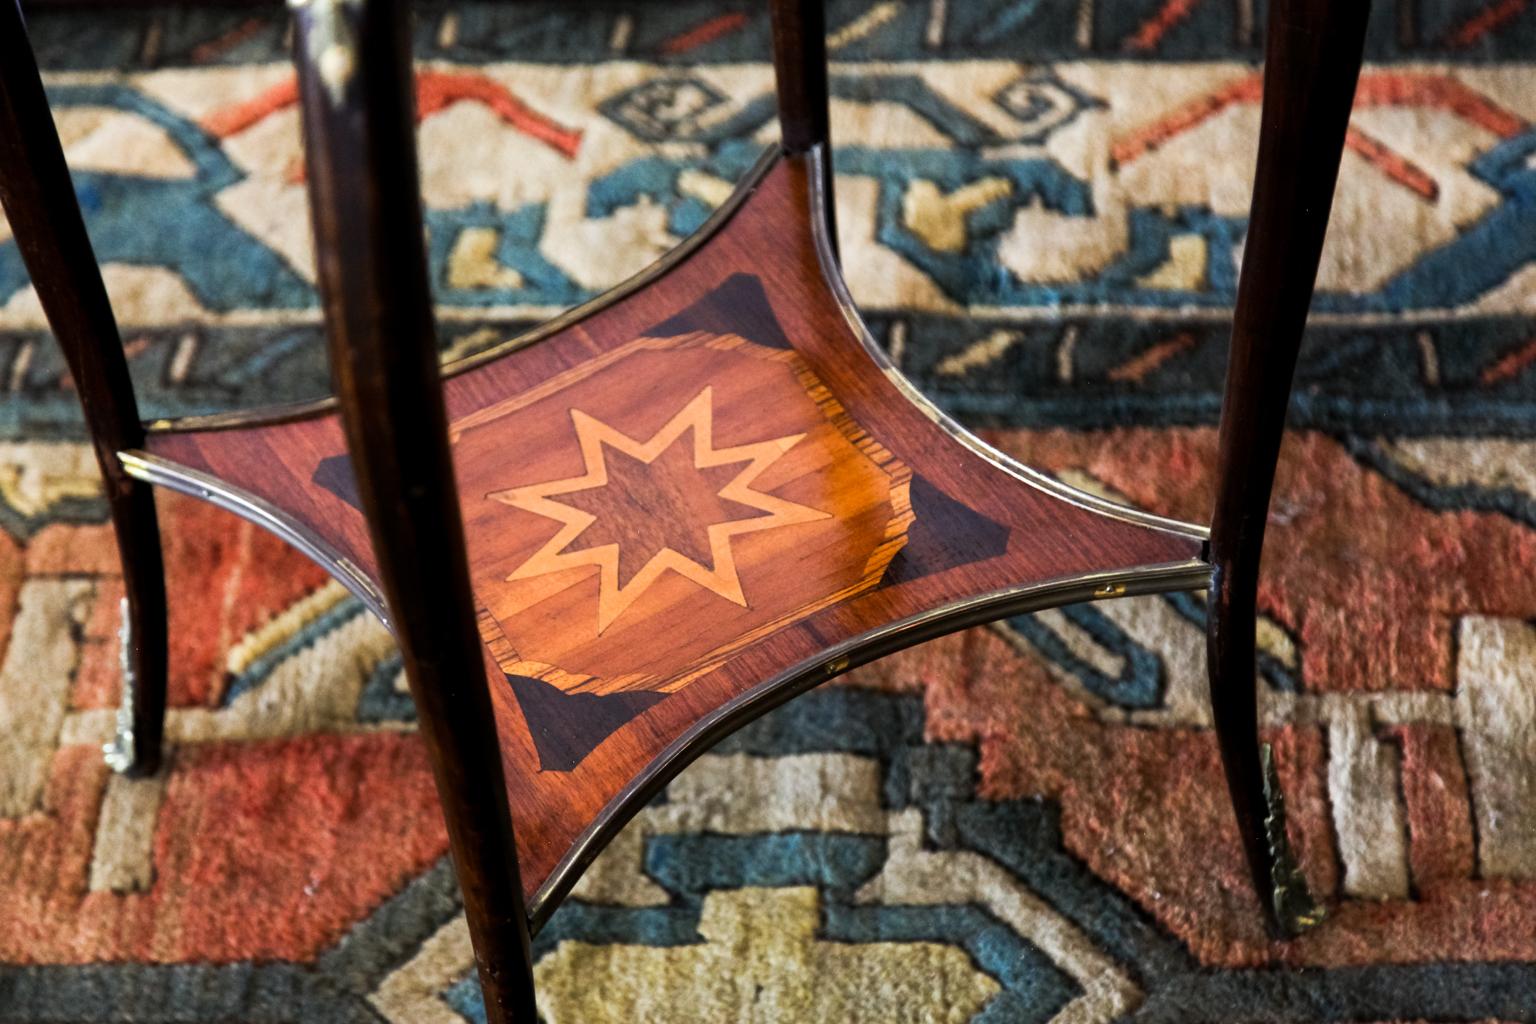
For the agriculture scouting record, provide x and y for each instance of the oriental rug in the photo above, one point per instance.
(1042, 207)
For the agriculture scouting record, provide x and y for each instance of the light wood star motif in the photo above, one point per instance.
(720, 577)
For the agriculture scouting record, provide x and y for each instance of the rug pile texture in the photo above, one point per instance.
(1042, 208)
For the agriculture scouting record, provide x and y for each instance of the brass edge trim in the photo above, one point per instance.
(153, 469)
(1194, 574)
(270, 415)
(121, 753)
(263, 416)
(833, 276)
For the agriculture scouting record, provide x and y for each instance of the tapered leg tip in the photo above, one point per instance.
(1293, 910)
(123, 758)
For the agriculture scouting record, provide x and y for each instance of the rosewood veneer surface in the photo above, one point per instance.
(690, 503)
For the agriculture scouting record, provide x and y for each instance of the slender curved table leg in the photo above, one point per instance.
(357, 102)
(1311, 66)
(39, 201)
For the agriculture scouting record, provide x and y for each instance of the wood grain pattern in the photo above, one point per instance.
(914, 531)
(801, 484)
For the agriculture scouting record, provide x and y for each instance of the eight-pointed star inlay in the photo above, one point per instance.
(661, 509)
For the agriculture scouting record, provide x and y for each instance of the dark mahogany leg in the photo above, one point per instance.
(39, 201)
(360, 143)
(1311, 65)
(800, 72)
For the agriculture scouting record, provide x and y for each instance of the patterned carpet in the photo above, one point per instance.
(1017, 824)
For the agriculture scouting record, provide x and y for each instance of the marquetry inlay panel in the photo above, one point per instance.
(702, 487)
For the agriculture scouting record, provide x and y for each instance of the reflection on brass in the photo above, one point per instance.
(162, 472)
(330, 44)
(121, 753)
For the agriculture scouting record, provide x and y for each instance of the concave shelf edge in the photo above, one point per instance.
(154, 469)
(832, 274)
(1170, 577)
